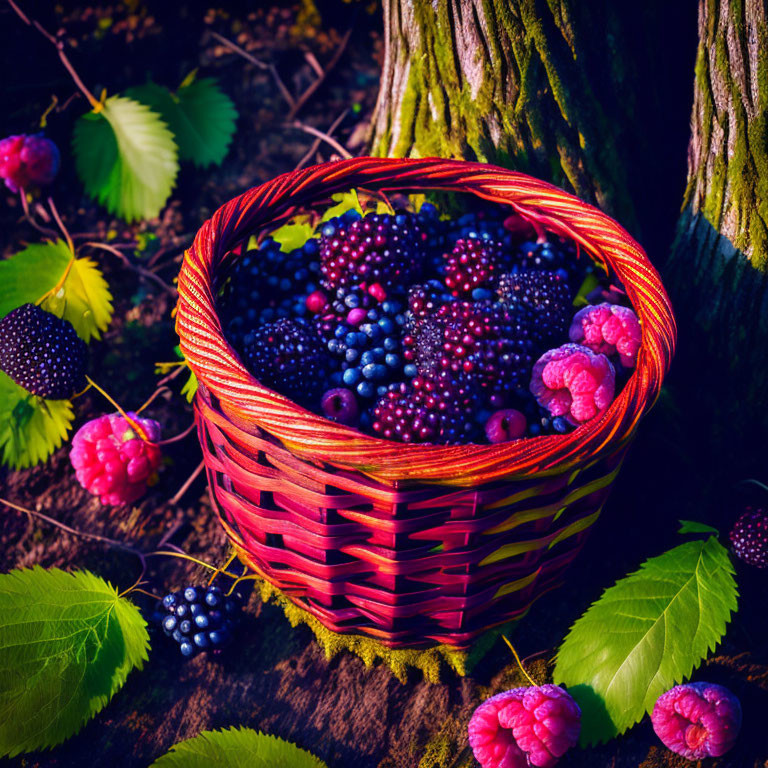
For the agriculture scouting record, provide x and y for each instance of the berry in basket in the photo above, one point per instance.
(425, 328)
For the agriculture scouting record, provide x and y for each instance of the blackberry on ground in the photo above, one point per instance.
(749, 537)
(486, 342)
(289, 356)
(473, 265)
(543, 296)
(380, 248)
(42, 353)
(200, 618)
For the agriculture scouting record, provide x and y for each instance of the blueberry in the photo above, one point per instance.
(219, 637)
(352, 301)
(202, 621)
(201, 640)
(367, 357)
(390, 344)
(182, 610)
(365, 389)
(196, 608)
(187, 649)
(185, 627)
(340, 332)
(410, 370)
(401, 219)
(351, 376)
(169, 623)
(177, 636)
(328, 230)
(392, 360)
(481, 294)
(190, 594)
(386, 325)
(169, 601)
(310, 247)
(350, 338)
(351, 355)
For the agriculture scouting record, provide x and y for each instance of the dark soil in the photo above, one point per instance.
(276, 679)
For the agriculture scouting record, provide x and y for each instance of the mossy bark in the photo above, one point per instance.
(718, 269)
(536, 85)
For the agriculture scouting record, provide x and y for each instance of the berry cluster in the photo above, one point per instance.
(28, 161)
(201, 618)
(421, 328)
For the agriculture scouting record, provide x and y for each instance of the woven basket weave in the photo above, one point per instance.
(410, 544)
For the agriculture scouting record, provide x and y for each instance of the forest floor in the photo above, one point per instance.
(276, 678)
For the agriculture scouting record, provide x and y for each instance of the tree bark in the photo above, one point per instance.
(718, 268)
(534, 85)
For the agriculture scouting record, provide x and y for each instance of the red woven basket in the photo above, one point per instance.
(410, 544)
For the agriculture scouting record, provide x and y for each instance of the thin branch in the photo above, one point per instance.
(260, 64)
(178, 437)
(59, 45)
(60, 224)
(135, 267)
(307, 95)
(316, 143)
(31, 219)
(191, 479)
(314, 63)
(320, 135)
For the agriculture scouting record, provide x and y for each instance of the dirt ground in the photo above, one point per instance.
(276, 678)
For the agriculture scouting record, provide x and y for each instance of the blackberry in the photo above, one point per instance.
(425, 299)
(488, 343)
(543, 296)
(555, 254)
(289, 356)
(42, 353)
(473, 265)
(268, 284)
(200, 618)
(378, 249)
(749, 537)
(438, 409)
(363, 337)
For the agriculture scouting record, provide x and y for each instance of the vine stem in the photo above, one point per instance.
(60, 223)
(59, 45)
(31, 219)
(134, 424)
(191, 479)
(517, 659)
(178, 437)
(299, 126)
(135, 267)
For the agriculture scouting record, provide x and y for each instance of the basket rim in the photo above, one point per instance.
(313, 437)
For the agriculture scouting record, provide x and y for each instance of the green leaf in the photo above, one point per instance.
(691, 526)
(67, 644)
(126, 157)
(237, 748)
(200, 115)
(345, 201)
(31, 428)
(645, 634)
(83, 298)
(588, 285)
(189, 390)
(294, 234)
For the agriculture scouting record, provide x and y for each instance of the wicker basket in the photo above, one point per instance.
(412, 545)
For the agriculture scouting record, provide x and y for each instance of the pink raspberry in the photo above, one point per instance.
(28, 161)
(112, 461)
(574, 382)
(524, 727)
(608, 329)
(697, 720)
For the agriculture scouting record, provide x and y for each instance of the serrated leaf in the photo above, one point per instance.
(31, 428)
(67, 644)
(126, 157)
(645, 634)
(200, 115)
(294, 234)
(83, 298)
(692, 526)
(189, 390)
(237, 748)
(345, 201)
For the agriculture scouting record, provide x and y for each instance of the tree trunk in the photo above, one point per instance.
(537, 86)
(718, 268)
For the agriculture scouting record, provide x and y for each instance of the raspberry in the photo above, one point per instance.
(28, 161)
(505, 425)
(112, 461)
(473, 263)
(749, 537)
(290, 356)
(340, 405)
(489, 344)
(574, 382)
(200, 619)
(42, 353)
(384, 249)
(439, 409)
(697, 720)
(608, 329)
(543, 296)
(525, 727)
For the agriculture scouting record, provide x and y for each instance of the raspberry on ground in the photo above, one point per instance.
(112, 461)
(525, 727)
(574, 382)
(42, 353)
(749, 537)
(697, 720)
(608, 329)
(28, 161)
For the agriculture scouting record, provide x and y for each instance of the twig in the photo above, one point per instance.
(60, 224)
(59, 45)
(135, 267)
(191, 479)
(260, 64)
(178, 437)
(304, 98)
(316, 143)
(314, 63)
(320, 135)
(31, 219)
